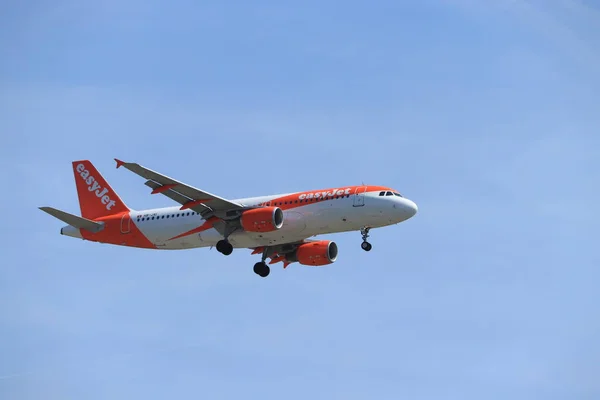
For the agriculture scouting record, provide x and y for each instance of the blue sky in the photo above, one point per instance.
(483, 113)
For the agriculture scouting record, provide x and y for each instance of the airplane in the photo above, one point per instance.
(278, 227)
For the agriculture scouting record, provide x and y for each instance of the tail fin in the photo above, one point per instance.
(96, 197)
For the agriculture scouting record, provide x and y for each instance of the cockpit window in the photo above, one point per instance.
(397, 194)
(382, 193)
(388, 194)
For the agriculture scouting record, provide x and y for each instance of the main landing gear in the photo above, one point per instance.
(224, 247)
(261, 268)
(366, 246)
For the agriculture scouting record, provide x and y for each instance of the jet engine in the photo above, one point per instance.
(265, 219)
(314, 253)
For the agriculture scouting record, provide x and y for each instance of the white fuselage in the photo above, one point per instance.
(329, 216)
(171, 228)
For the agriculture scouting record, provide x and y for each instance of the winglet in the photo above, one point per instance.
(119, 162)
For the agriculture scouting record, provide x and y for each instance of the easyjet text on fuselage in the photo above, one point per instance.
(332, 193)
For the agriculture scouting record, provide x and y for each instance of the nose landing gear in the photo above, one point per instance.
(366, 246)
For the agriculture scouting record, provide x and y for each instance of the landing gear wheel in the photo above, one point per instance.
(224, 247)
(262, 269)
(366, 246)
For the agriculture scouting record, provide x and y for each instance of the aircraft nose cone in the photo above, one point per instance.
(411, 208)
(405, 208)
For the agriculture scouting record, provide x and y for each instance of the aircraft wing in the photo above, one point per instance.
(204, 203)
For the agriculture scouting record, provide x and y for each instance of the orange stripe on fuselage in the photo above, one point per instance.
(114, 226)
(204, 227)
(300, 199)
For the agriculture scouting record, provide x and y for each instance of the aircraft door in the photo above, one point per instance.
(125, 223)
(359, 196)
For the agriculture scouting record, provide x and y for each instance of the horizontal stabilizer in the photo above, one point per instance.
(74, 220)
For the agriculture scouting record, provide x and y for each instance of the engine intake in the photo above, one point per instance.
(265, 219)
(315, 253)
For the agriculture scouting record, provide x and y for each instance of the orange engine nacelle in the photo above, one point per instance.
(265, 219)
(315, 253)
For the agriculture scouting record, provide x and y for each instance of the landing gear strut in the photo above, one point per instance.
(366, 246)
(261, 268)
(224, 247)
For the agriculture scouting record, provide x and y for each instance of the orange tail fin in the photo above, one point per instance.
(96, 197)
